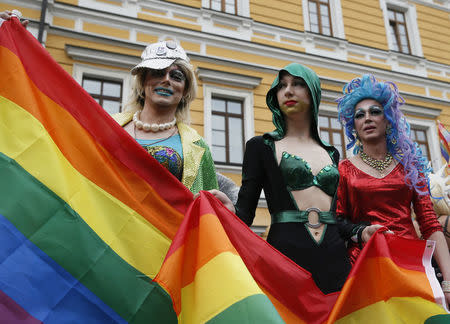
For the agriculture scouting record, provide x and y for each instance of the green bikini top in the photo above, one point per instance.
(297, 175)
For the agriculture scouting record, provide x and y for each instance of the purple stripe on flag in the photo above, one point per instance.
(12, 313)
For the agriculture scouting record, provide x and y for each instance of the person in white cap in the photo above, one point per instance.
(157, 114)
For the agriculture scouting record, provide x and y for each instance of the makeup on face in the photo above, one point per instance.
(292, 94)
(164, 87)
(374, 111)
(174, 74)
(296, 82)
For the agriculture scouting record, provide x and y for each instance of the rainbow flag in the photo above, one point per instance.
(94, 230)
(84, 226)
(444, 139)
(392, 281)
(88, 216)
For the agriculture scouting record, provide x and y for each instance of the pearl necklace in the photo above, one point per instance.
(151, 127)
(379, 165)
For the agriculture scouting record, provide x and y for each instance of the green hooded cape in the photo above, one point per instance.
(313, 83)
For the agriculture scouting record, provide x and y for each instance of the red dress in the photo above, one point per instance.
(386, 201)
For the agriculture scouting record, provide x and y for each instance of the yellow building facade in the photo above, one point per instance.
(236, 47)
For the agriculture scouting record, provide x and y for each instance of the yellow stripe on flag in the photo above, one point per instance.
(394, 310)
(220, 283)
(24, 139)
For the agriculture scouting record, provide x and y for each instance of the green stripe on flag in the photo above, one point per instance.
(53, 226)
(252, 309)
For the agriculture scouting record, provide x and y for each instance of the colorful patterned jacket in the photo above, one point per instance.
(199, 172)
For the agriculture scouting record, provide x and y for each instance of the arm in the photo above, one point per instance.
(252, 181)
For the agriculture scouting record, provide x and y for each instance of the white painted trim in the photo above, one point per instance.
(336, 19)
(81, 69)
(411, 24)
(444, 4)
(246, 96)
(96, 56)
(235, 79)
(433, 140)
(305, 9)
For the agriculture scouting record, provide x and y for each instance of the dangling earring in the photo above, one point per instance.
(388, 129)
(358, 143)
(389, 134)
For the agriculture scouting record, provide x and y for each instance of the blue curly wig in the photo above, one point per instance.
(398, 140)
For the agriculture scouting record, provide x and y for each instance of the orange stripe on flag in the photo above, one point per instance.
(201, 244)
(395, 281)
(389, 268)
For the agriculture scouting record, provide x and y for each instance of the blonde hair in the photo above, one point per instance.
(137, 98)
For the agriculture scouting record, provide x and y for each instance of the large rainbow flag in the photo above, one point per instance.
(94, 230)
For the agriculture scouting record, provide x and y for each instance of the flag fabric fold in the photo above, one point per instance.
(94, 230)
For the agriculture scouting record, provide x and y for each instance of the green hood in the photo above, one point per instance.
(313, 82)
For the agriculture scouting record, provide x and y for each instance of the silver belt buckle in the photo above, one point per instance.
(317, 210)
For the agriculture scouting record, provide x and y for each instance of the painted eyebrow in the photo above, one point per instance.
(373, 106)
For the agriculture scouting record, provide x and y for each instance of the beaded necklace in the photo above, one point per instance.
(151, 127)
(379, 165)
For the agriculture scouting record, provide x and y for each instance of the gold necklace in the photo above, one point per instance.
(379, 165)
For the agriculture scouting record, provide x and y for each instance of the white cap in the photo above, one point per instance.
(160, 55)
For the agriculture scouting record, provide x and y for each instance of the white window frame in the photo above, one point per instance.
(409, 9)
(337, 22)
(246, 97)
(79, 70)
(243, 7)
(429, 126)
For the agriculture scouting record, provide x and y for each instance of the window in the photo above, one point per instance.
(227, 126)
(398, 31)
(400, 21)
(228, 6)
(420, 136)
(239, 8)
(332, 132)
(107, 93)
(319, 17)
